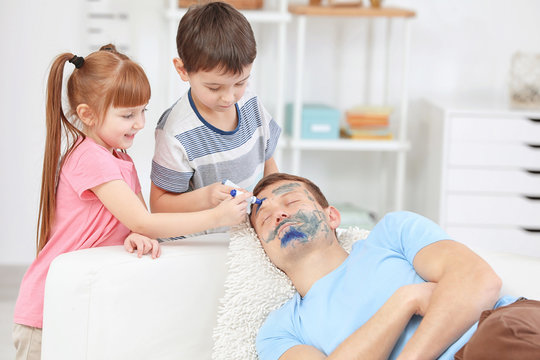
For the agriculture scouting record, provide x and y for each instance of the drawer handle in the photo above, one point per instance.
(534, 146)
(532, 197)
(537, 120)
(531, 230)
(534, 172)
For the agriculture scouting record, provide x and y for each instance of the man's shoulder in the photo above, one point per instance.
(284, 311)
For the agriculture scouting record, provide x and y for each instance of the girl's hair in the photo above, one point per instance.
(104, 78)
(215, 36)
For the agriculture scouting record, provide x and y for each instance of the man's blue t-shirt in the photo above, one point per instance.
(342, 301)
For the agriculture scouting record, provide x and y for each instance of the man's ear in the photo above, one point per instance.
(86, 114)
(334, 217)
(180, 69)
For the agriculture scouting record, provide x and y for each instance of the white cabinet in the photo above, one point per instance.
(277, 16)
(484, 180)
(399, 145)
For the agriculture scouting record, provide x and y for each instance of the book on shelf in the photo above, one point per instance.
(363, 134)
(367, 123)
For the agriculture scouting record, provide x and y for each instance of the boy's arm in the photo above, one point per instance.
(378, 336)
(270, 166)
(201, 199)
(466, 286)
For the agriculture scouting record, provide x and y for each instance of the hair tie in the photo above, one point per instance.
(78, 61)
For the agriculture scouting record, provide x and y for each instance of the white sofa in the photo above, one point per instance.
(105, 303)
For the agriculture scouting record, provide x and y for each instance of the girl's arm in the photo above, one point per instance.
(200, 199)
(126, 206)
(377, 337)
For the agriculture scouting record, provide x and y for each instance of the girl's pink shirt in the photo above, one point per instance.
(81, 220)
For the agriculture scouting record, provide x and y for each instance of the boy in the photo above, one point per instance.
(218, 130)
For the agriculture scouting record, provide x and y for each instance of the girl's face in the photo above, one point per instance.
(118, 128)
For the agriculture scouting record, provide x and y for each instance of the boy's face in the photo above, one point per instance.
(216, 92)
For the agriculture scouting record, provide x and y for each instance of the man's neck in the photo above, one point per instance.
(304, 272)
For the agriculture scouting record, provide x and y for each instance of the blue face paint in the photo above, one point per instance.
(293, 233)
(260, 204)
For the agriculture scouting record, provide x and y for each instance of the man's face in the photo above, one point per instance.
(289, 219)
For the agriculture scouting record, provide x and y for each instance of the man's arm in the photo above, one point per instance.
(466, 286)
(377, 337)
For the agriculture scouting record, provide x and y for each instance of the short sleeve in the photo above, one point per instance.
(272, 131)
(277, 335)
(407, 233)
(171, 170)
(87, 168)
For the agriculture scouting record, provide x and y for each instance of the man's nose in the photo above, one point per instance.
(280, 216)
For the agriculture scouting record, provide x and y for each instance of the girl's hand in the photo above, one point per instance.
(142, 244)
(232, 211)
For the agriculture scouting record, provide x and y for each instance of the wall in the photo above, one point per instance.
(458, 47)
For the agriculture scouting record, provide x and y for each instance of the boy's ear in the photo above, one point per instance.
(180, 69)
(85, 114)
(334, 217)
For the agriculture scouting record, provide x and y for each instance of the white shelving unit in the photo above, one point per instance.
(400, 145)
(278, 16)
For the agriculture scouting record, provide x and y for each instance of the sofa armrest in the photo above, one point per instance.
(519, 273)
(105, 303)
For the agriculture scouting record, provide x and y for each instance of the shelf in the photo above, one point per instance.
(349, 145)
(253, 16)
(358, 11)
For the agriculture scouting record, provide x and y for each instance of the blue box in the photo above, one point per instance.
(318, 121)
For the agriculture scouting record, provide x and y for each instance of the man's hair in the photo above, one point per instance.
(215, 36)
(276, 177)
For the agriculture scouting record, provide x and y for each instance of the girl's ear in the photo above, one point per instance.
(334, 217)
(85, 114)
(180, 69)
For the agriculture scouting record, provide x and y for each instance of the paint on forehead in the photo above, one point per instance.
(308, 195)
(285, 188)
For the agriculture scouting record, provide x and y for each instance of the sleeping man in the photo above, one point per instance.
(406, 292)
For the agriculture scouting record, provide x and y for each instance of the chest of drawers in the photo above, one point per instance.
(482, 177)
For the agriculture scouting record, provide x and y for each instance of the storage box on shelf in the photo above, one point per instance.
(485, 188)
(398, 144)
(318, 121)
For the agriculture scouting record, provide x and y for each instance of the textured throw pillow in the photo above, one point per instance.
(253, 288)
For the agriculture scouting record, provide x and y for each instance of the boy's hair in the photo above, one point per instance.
(103, 78)
(215, 36)
(276, 177)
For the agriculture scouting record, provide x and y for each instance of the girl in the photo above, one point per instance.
(91, 195)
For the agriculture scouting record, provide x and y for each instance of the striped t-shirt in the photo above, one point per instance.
(190, 153)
